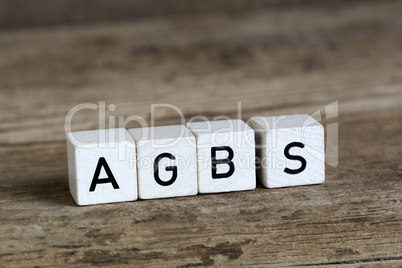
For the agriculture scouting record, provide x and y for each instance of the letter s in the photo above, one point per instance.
(295, 157)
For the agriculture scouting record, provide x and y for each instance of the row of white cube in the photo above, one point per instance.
(117, 165)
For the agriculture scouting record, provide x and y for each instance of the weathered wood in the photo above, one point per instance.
(288, 61)
(43, 13)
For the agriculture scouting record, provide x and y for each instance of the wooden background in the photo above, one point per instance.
(278, 58)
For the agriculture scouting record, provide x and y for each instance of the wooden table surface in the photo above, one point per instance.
(275, 62)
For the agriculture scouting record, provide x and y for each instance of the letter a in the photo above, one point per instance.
(110, 179)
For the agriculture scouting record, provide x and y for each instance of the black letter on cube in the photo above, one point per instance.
(110, 179)
(227, 161)
(295, 157)
(171, 168)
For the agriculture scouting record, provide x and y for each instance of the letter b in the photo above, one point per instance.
(225, 161)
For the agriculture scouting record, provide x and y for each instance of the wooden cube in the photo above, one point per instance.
(290, 150)
(225, 156)
(166, 161)
(102, 166)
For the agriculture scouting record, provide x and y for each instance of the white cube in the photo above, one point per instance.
(166, 161)
(225, 156)
(102, 166)
(290, 150)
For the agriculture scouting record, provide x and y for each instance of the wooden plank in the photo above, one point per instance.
(292, 61)
(45, 13)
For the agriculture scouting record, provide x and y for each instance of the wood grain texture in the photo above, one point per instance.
(43, 13)
(295, 60)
